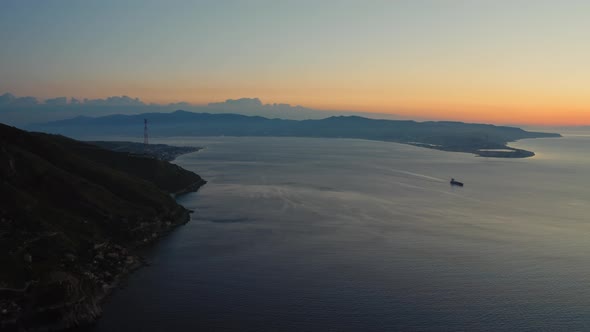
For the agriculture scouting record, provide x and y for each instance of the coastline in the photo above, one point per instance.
(138, 261)
(89, 288)
(90, 214)
(194, 187)
(495, 151)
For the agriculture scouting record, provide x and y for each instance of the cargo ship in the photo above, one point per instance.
(456, 183)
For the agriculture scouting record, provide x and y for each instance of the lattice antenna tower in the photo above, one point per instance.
(145, 132)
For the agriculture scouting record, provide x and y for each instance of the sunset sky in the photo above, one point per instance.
(495, 61)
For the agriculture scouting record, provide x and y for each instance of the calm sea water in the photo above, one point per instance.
(296, 234)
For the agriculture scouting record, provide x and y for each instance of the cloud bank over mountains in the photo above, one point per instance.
(8, 99)
(21, 111)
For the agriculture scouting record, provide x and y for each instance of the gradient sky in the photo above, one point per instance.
(495, 61)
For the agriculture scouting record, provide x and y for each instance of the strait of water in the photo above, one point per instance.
(302, 234)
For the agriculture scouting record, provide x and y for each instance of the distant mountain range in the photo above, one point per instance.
(20, 111)
(481, 139)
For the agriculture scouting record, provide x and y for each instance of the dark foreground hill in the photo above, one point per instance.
(443, 135)
(71, 216)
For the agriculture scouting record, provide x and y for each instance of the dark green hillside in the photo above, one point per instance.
(70, 217)
(151, 169)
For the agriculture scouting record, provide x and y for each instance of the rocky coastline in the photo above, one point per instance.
(72, 224)
(81, 285)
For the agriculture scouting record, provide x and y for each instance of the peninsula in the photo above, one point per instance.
(158, 151)
(71, 219)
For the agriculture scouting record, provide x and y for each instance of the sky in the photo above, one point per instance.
(488, 61)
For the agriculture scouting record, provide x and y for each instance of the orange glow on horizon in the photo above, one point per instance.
(412, 101)
(501, 62)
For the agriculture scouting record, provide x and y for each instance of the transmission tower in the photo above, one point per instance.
(145, 132)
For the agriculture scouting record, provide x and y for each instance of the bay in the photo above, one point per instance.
(303, 234)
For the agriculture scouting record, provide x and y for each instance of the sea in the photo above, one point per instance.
(306, 234)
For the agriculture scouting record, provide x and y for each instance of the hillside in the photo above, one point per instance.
(443, 135)
(71, 216)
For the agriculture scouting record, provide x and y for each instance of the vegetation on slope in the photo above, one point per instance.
(70, 217)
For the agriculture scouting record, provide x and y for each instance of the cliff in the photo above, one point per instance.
(71, 216)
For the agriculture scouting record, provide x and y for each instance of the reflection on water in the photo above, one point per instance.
(319, 234)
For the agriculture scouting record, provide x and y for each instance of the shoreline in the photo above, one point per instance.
(91, 218)
(487, 151)
(138, 260)
(91, 287)
(497, 152)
